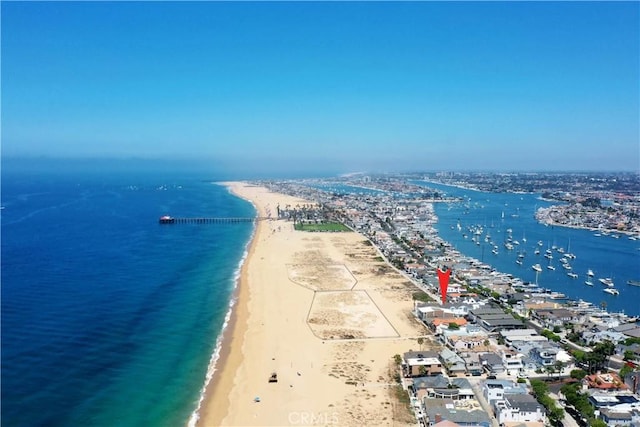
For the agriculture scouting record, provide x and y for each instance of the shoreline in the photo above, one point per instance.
(603, 231)
(232, 336)
(315, 309)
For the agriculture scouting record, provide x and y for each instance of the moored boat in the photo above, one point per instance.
(633, 282)
(607, 281)
(611, 291)
(536, 267)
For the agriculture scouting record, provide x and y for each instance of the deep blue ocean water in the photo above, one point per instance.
(616, 258)
(109, 318)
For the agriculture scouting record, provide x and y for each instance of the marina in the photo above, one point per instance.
(584, 256)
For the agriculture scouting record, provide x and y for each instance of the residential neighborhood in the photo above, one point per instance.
(500, 351)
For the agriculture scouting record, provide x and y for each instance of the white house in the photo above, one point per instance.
(494, 390)
(519, 408)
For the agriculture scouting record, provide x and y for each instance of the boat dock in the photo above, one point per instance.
(206, 220)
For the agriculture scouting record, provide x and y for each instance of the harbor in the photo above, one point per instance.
(570, 260)
(498, 231)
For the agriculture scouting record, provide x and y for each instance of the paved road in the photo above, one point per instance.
(475, 384)
(568, 420)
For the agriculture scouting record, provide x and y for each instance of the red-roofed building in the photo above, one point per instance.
(608, 381)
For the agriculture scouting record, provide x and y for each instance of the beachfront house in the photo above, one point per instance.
(468, 343)
(473, 334)
(421, 386)
(439, 326)
(421, 363)
(441, 387)
(425, 312)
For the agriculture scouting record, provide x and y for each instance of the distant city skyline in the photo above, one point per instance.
(356, 86)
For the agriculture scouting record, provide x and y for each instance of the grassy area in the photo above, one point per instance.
(422, 296)
(327, 226)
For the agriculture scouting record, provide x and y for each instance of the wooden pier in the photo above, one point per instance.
(205, 220)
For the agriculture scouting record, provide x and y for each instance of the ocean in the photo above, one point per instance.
(108, 317)
(612, 256)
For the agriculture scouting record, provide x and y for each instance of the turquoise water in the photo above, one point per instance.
(109, 318)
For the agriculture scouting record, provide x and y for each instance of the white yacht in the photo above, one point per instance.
(607, 281)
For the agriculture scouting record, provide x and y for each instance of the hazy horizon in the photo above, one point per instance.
(236, 170)
(334, 87)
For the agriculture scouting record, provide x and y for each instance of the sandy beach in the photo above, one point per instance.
(323, 312)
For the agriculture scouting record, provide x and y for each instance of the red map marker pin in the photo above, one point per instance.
(443, 278)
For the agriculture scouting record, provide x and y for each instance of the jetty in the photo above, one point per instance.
(166, 219)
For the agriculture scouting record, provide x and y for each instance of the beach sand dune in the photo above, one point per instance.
(323, 312)
(321, 277)
(347, 315)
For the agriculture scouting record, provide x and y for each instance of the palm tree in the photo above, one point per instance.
(420, 342)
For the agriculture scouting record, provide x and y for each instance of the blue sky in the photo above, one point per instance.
(345, 86)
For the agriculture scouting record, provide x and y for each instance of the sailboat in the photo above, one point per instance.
(569, 254)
